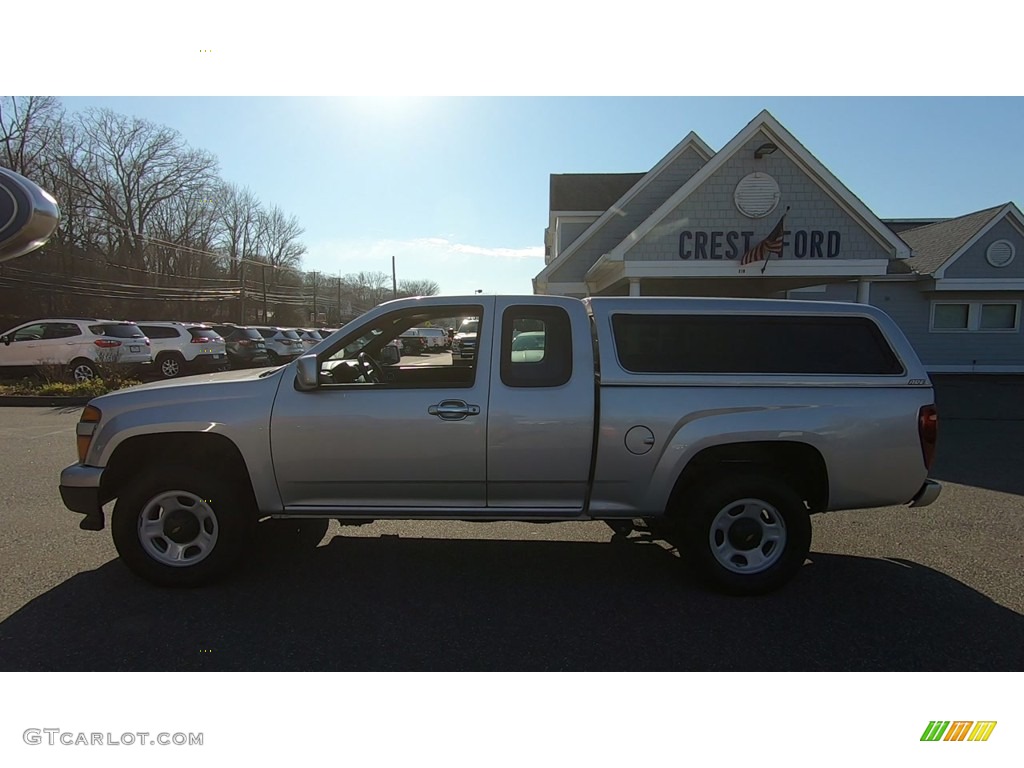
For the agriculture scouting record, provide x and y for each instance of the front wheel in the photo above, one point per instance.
(181, 526)
(746, 533)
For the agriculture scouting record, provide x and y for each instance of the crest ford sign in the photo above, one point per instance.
(732, 244)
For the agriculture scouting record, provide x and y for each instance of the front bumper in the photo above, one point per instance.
(80, 492)
(929, 492)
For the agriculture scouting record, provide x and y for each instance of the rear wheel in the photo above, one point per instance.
(181, 526)
(169, 365)
(745, 534)
(81, 370)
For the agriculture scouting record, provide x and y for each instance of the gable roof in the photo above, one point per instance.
(690, 141)
(937, 244)
(588, 191)
(796, 152)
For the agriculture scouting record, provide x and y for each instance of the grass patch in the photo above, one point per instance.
(43, 388)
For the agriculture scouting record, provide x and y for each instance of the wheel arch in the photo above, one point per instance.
(800, 465)
(140, 452)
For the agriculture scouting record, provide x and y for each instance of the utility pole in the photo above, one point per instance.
(394, 281)
(314, 298)
(241, 278)
(339, 300)
(264, 294)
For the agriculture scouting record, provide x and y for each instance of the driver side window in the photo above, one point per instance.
(392, 351)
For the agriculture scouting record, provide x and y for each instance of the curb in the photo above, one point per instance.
(37, 401)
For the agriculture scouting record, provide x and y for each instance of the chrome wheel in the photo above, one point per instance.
(747, 536)
(170, 367)
(82, 372)
(178, 528)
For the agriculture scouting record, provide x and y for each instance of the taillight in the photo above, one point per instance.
(107, 343)
(245, 342)
(928, 431)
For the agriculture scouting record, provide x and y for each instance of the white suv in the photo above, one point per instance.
(78, 345)
(436, 338)
(185, 347)
(283, 345)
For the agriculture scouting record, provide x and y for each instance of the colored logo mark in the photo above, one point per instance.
(958, 730)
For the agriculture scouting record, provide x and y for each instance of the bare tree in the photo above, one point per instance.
(128, 166)
(279, 240)
(29, 129)
(418, 288)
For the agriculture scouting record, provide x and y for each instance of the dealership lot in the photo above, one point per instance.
(937, 588)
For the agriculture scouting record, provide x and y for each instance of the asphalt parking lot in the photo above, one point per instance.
(937, 588)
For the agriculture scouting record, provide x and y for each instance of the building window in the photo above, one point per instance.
(975, 316)
(950, 317)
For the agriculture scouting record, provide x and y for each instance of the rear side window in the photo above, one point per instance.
(766, 344)
(251, 333)
(536, 347)
(291, 335)
(159, 332)
(118, 330)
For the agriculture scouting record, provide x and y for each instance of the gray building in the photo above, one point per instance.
(763, 217)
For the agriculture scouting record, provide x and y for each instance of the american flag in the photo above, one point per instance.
(771, 244)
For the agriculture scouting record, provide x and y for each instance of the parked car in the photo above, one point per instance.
(411, 343)
(435, 339)
(720, 425)
(75, 345)
(464, 342)
(283, 345)
(184, 348)
(245, 346)
(310, 338)
(528, 347)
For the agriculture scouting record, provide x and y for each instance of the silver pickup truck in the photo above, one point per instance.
(721, 425)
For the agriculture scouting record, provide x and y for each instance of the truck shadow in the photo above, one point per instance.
(365, 603)
(981, 454)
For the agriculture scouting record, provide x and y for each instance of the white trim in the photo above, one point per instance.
(1008, 211)
(974, 368)
(973, 316)
(980, 284)
(554, 214)
(690, 141)
(606, 272)
(791, 147)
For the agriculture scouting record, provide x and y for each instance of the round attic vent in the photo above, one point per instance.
(756, 195)
(1000, 253)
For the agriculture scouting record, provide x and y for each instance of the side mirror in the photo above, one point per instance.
(389, 355)
(307, 373)
(28, 215)
(6, 340)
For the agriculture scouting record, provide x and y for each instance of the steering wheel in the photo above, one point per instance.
(371, 368)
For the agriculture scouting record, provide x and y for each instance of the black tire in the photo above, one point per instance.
(745, 534)
(208, 519)
(170, 365)
(81, 370)
(273, 358)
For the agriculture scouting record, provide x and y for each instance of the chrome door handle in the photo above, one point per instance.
(453, 410)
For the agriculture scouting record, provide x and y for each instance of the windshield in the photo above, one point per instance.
(469, 326)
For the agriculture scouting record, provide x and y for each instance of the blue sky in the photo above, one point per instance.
(457, 188)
